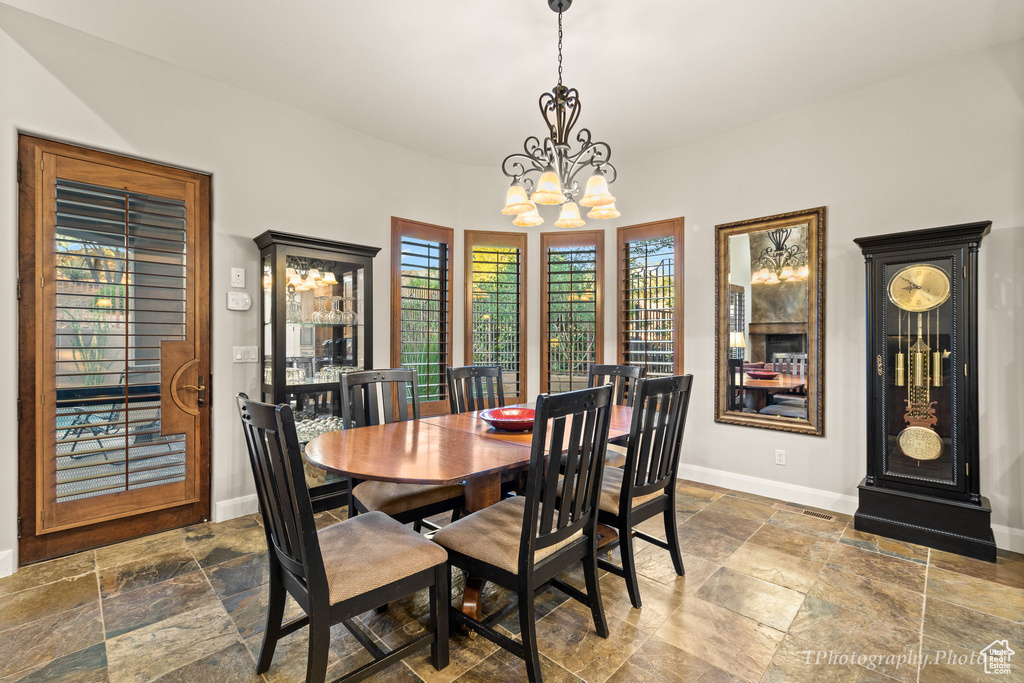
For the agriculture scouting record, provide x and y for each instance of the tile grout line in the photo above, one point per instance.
(924, 607)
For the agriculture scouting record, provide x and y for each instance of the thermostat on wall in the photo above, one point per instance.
(239, 301)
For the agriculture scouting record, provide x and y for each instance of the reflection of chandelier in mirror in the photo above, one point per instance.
(554, 165)
(779, 263)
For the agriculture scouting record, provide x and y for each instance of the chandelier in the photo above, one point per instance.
(550, 168)
(778, 262)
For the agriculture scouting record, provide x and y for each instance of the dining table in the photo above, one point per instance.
(443, 449)
(758, 390)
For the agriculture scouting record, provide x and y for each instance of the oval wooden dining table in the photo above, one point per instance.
(446, 449)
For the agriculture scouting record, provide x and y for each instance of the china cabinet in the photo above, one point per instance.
(315, 311)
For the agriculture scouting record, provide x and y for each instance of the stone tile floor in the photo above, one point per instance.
(768, 595)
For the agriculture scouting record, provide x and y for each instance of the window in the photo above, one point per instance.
(421, 302)
(572, 296)
(737, 322)
(495, 305)
(650, 306)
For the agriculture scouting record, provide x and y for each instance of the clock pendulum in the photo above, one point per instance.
(919, 440)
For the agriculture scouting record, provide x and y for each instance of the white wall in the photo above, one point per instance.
(941, 146)
(273, 167)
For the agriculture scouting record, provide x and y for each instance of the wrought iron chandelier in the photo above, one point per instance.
(550, 168)
(779, 262)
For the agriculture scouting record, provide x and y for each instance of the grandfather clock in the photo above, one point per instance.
(922, 316)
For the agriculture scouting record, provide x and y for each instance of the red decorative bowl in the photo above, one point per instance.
(761, 374)
(509, 419)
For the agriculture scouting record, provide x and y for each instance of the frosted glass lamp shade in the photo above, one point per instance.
(516, 201)
(787, 273)
(802, 272)
(570, 217)
(528, 219)
(737, 340)
(549, 189)
(329, 279)
(606, 211)
(597, 192)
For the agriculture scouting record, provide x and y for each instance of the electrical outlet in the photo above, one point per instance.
(780, 456)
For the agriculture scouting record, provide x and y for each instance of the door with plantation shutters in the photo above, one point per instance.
(114, 373)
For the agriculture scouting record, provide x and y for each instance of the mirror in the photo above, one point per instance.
(769, 289)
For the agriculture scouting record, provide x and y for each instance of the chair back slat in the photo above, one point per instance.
(622, 377)
(656, 436)
(475, 387)
(281, 488)
(370, 397)
(576, 496)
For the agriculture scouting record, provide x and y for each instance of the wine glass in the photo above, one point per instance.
(320, 314)
(336, 315)
(349, 315)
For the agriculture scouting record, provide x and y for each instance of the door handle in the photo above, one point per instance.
(200, 399)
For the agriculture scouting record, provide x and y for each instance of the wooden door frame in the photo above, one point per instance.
(33, 547)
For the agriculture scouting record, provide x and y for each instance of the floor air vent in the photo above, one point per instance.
(800, 511)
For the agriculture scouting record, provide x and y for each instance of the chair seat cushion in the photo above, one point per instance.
(799, 412)
(372, 550)
(392, 499)
(615, 456)
(611, 489)
(492, 535)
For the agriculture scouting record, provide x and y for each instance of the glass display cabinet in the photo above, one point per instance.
(316, 310)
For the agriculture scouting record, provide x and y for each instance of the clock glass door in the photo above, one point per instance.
(917, 373)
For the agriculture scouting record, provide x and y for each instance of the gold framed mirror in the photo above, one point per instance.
(769, 322)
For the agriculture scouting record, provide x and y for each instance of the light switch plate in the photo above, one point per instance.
(238, 277)
(245, 354)
(239, 301)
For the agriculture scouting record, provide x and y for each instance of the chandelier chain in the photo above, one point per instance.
(559, 48)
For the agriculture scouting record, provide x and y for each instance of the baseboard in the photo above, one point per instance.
(6, 563)
(235, 507)
(1007, 538)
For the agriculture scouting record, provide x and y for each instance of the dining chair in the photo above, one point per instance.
(646, 485)
(623, 378)
(338, 572)
(375, 397)
(735, 398)
(522, 543)
(475, 387)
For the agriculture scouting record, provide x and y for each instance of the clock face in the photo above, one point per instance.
(919, 287)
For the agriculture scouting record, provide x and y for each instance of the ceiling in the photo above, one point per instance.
(459, 79)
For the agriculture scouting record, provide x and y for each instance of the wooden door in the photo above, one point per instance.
(114, 350)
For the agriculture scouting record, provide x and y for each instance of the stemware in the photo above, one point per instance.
(349, 316)
(320, 314)
(336, 316)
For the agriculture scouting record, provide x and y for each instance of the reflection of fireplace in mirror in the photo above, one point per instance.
(784, 343)
(768, 339)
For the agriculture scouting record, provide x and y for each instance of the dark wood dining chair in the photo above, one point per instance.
(735, 396)
(475, 387)
(340, 571)
(623, 379)
(522, 543)
(646, 485)
(376, 397)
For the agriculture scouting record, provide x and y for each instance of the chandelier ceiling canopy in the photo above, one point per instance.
(548, 171)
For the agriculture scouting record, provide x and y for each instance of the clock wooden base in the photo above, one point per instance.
(951, 525)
